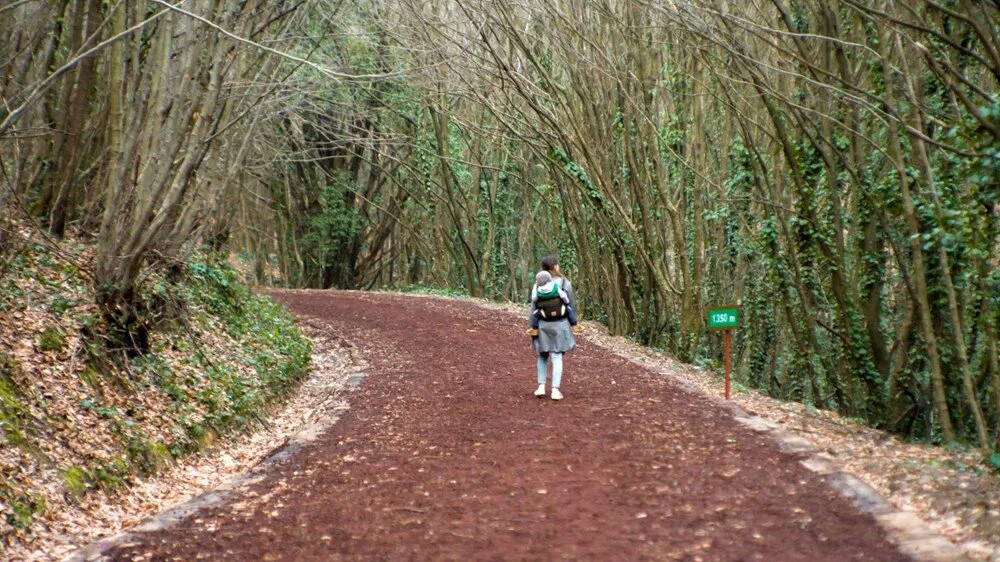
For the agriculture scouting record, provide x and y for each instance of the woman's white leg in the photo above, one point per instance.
(556, 369)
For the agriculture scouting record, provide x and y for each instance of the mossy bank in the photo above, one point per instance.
(80, 418)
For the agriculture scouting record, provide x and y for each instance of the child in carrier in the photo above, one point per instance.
(550, 302)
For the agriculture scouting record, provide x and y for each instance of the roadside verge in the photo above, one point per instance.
(210, 478)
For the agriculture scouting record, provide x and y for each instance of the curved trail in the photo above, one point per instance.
(446, 455)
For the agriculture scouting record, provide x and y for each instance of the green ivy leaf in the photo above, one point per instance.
(995, 461)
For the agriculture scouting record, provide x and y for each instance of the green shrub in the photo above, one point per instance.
(52, 338)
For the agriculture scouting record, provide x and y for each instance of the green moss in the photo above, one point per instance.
(144, 456)
(13, 412)
(111, 474)
(11, 427)
(160, 455)
(52, 338)
(9, 367)
(91, 377)
(77, 481)
(21, 508)
(207, 438)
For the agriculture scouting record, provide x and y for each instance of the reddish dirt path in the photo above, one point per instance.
(446, 455)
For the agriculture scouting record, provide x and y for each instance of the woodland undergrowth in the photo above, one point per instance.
(79, 418)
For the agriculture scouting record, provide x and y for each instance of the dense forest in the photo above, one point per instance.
(833, 166)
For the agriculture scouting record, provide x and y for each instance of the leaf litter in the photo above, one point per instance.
(62, 420)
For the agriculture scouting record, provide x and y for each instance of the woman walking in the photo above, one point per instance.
(554, 337)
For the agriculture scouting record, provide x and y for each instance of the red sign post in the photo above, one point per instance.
(726, 352)
(725, 318)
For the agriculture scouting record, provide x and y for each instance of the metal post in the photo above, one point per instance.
(726, 359)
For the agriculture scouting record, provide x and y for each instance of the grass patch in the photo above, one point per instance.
(418, 289)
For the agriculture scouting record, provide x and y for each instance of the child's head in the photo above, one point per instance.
(542, 278)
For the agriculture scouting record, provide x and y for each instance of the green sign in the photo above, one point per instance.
(723, 318)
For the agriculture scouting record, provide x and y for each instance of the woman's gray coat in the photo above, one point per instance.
(556, 336)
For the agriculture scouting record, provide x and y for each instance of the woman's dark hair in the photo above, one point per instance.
(549, 263)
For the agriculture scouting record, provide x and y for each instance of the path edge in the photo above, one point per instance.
(216, 496)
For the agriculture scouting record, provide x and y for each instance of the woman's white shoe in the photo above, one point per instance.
(540, 391)
(556, 395)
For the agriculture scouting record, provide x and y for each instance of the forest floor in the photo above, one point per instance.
(77, 524)
(91, 441)
(444, 454)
